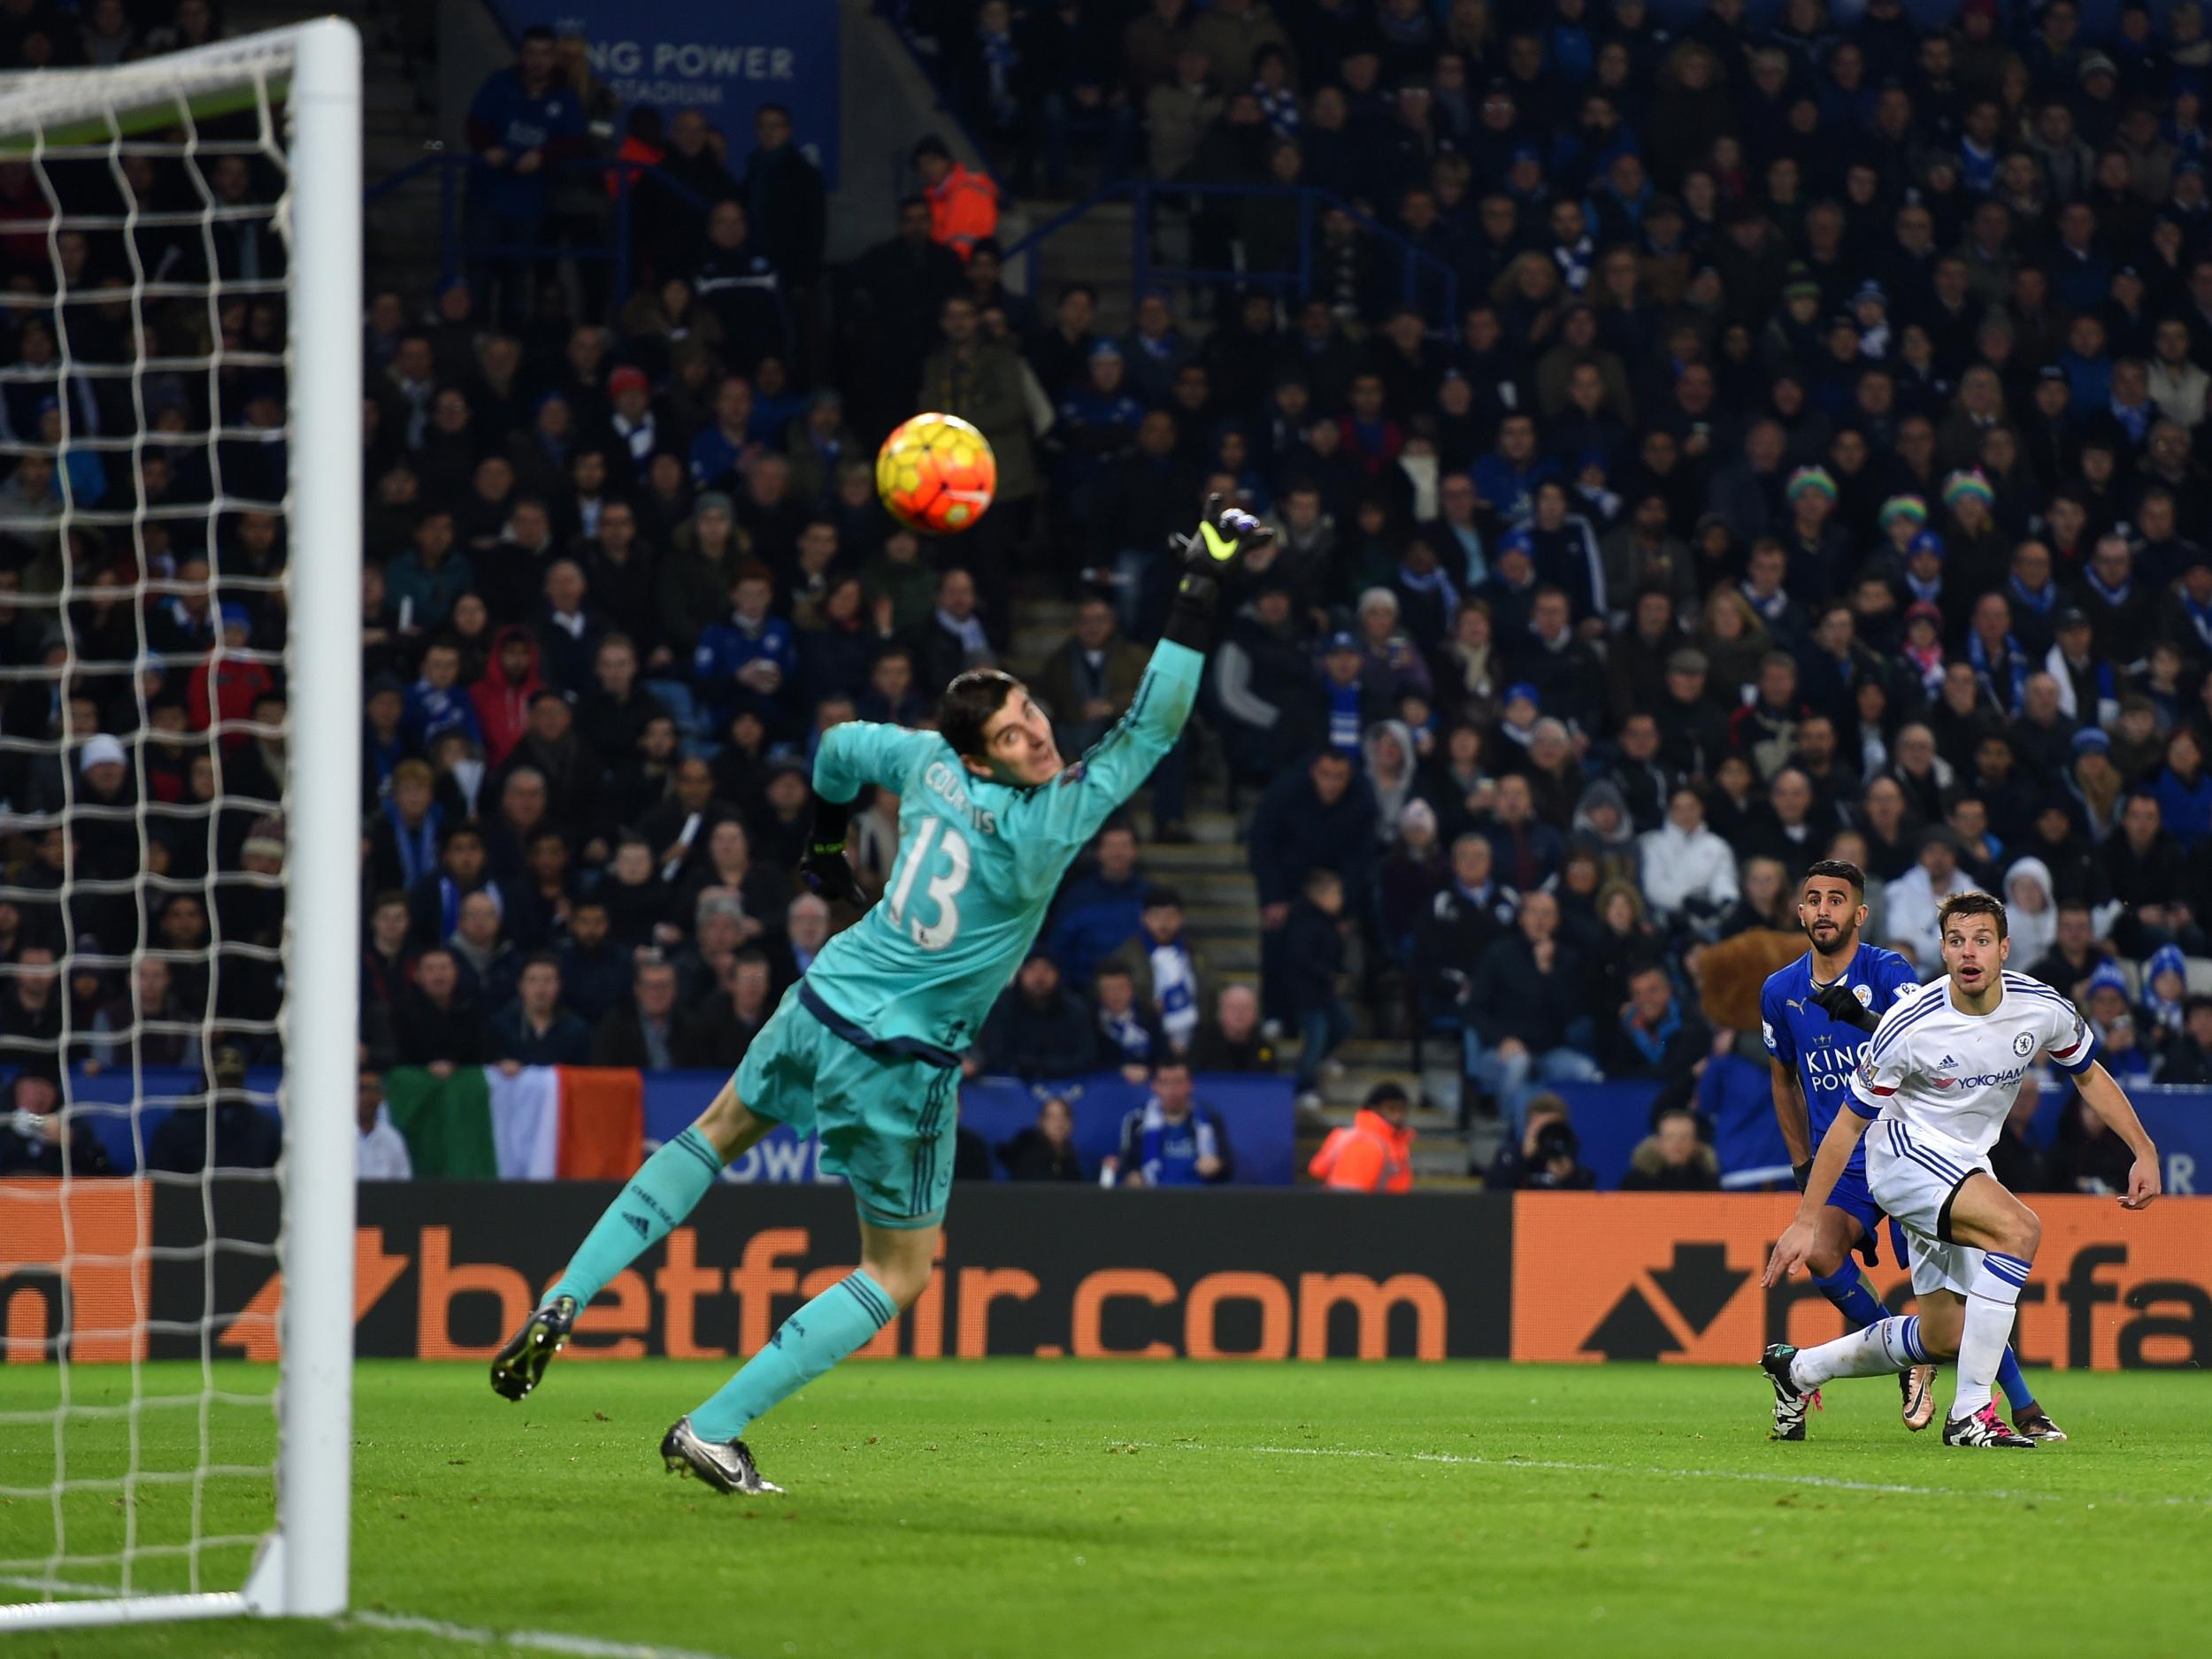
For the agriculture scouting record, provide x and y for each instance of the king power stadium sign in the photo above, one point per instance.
(724, 58)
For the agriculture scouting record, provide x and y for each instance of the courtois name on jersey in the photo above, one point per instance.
(1951, 1076)
(978, 863)
(1825, 1051)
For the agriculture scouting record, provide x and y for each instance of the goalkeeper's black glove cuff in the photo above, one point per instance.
(1802, 1172)
(1191, 621)
(824, 868)
(830, 819)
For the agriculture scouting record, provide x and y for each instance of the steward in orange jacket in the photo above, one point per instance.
(962, 203)
(1376, 1153)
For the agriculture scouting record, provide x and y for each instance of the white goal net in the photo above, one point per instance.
(180, 708)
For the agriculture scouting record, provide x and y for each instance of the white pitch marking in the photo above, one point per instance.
(1759, 1477)
(540, 1640)
(544, 1641)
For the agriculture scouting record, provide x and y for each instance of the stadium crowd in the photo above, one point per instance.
(1719, 441)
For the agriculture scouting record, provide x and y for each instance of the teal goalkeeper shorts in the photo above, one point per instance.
(885, 1119)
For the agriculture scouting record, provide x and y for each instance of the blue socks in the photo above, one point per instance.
(2013, 1383)
(1853, 1297)
(662, 1192)
(811, 1340)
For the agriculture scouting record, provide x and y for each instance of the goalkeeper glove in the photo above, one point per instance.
(1207, 556)
(824, 868)
(1836, 1002)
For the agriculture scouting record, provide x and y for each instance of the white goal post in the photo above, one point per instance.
(303, 87)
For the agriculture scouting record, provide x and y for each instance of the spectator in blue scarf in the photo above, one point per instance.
(1129, 1034)
(1994, 653)
(382, 748)
(403, 840)
(1652, 1039)
(1170, 1141)
(1343, 688)
(1273, 87)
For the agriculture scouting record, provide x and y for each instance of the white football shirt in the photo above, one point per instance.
(1951, 1076)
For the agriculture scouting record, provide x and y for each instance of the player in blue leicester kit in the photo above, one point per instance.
(1815, 1016)
(865, 1049)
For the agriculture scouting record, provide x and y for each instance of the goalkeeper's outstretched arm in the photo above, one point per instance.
(1061, 816)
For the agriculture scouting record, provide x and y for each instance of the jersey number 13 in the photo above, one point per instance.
(942, 890)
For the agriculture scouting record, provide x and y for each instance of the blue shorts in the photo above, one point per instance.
(1854, 1197)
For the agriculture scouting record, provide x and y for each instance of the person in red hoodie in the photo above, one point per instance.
(224, 688)
(1376, 1153)
(502, 695)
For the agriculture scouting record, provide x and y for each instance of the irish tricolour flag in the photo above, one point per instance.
(542, 1123)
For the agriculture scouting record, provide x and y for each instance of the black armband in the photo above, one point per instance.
(1802, 1172)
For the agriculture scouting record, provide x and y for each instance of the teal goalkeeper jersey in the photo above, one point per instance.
(978, 864)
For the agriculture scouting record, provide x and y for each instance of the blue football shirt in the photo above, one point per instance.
(1825, 1051)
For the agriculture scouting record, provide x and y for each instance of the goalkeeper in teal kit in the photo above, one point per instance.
(865, 1049)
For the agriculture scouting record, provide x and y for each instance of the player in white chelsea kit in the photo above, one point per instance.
(1929, 1096)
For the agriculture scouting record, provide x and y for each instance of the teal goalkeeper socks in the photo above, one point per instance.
(659, 1195)
(810, 1342)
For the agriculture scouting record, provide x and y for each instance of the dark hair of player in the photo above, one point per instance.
(1963, 904)
(969, 702)
(1837, 870)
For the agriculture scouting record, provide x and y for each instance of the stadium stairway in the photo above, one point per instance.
(1098, 249)
(1222, 915)
(399, 128)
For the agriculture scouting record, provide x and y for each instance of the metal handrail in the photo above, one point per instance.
(933, 70)
(455, 248)
(1311, 199)
(407, 175)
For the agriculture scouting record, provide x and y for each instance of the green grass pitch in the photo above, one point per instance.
(1020, 1507)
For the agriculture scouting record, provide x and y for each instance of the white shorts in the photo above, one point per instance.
(1915, 1185)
